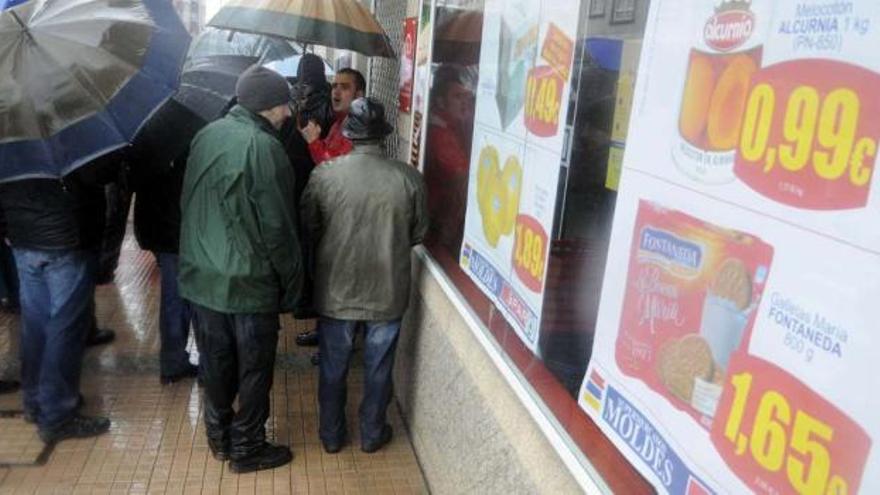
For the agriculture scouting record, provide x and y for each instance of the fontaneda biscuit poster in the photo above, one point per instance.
(690, 301)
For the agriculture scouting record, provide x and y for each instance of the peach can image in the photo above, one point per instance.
(715, 90)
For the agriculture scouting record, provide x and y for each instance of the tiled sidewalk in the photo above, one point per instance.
(157, 441)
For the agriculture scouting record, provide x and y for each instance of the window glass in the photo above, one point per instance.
(602, 77)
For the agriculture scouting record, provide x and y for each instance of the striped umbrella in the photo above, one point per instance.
(342, 24)
(458, 36)
(78, 78)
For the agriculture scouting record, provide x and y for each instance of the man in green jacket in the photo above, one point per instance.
(240, 264)
(365, 213)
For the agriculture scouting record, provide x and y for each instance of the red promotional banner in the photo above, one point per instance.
(779, 436)
(407, 64)
(809, 134)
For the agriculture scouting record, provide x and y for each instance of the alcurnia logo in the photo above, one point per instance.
(727, 30)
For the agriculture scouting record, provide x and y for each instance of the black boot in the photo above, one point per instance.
(9, 386)
(100, 336)
(307, 339)
(219, 449)
(76, 427)
(268, 456)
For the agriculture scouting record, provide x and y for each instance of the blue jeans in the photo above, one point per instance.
(56, 289)
(335, 340)
(175, 315)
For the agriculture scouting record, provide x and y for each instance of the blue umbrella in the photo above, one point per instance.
(78, 78)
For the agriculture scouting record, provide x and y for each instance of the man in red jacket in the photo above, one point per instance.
(348, 85)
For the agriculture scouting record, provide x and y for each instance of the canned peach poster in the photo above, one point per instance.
(736, 333)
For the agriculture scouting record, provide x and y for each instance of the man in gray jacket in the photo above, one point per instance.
(364, 213)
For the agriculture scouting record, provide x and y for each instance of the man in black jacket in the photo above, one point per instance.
(157, 189)
(55, 228)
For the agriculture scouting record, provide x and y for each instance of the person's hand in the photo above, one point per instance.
(311, 132)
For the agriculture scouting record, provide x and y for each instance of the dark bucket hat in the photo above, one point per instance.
(366, 121)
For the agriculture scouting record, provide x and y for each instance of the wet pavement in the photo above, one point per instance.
(157, 442)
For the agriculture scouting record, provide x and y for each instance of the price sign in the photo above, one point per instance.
(558, 50)
(543, 101)
(809, 134)
(779, 436)
(529, 252)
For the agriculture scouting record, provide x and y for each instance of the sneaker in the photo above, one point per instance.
(268, 456)
(76, 427)
(307, 339)
(191, 371)
(384, 438)
(100, 336)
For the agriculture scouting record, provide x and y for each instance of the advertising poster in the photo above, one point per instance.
(522, 100)
(407, 65)
(420, 82)
(736, 333)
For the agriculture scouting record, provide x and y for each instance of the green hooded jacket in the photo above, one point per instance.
(239, 251)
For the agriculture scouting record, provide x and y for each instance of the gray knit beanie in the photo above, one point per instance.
(259, 89)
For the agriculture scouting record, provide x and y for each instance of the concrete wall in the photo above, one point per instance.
(470, 431)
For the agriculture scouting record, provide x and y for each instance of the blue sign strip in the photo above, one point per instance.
(648, 444)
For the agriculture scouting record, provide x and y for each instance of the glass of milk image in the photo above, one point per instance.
(722, 325)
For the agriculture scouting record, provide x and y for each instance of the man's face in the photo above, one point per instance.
(458, 102)
(278, 115)
(344, 92)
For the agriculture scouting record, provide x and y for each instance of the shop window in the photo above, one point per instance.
(591, 139)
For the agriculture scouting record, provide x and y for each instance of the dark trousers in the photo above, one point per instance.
(8, 275)
(56, 294)
(174, 319)
(336, 339)
(238, 357)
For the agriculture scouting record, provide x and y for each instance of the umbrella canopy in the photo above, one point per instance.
(215, 60)
(208, 85)
(79, 77)
(212, 42)
(288, 66)
(458, 37)
(165, 136)
(342, 24)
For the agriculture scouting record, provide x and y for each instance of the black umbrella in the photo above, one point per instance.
(165, 136)
(215, 60)
(215, 41)
(208, 85)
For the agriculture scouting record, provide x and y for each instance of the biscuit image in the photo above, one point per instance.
(662, 355)
(732, 282)
(682, 362)
(718, 375)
